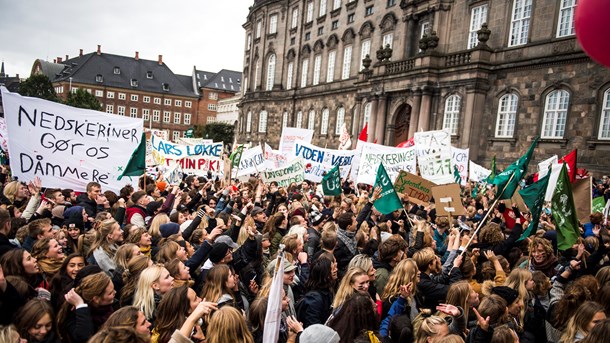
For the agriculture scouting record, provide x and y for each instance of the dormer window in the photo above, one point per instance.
(99, 78)
(165, 87)
(134, 83)
(117, 70)
(149, 75)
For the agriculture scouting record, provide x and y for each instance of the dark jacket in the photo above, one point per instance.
(432, 290)
(5, 245)
(314, 307)
(90, 206)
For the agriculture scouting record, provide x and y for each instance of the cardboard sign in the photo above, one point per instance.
(452, 191)
(418, 189)
(581, 189)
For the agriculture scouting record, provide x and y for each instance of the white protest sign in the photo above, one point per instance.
(289, 137)
(543, 167)
(434, 156)
(173, 175)
(274, 159)
(198, 159)
(68, 147)
(252, 162)
(293, 172)
(3, 135)
(478, 173)
(393, 159)
(459, 158)
(319, 160)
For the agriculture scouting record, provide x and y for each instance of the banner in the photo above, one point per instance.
(174, 174)
(477, 173)
(388, 200)
(319, 160)
(448, 201)
(331, 182)
(433, 150)
(68, 147)
(273, 158)
(293, 172)
(252, 162)
(198, 159)
(418, 189)
(459, 159)
(393, 159)
(3, 135)
(581, 189)
(289, 137)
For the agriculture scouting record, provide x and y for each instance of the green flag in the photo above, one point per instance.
(331, 182)
(456, 175)
(519, 168)
(137, 162)
(492, 176)
(564, 212)
(599, 204)
(235, 156)
(388, 201)
(533, 196)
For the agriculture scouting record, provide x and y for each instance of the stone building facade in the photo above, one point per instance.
(493, 73)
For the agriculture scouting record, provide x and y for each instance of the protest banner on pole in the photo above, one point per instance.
(319, 160)
(68, 147)
(289, 137)
(198, 159)
(418, 189)
(459, 158)
(252, 161)
(393, 159)
(3, 135)
(294, 171)
(448, 200)
(434, 156)
(477, 173)
(273, 158)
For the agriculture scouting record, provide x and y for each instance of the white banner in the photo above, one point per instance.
(543, 167)
(434, 156)
(3, 135)
(252, 162)
(68, 147)
(293, 172)
(394, 160)
(198, 159)
(459, 158)
(290, 135)
(273, 158)
(319, 160)
(478, 173)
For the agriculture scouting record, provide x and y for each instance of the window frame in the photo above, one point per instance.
(506, 116)
(451, 114)
(520, 25)
(478, 16)
(561, 113)
(570, 11)
(340, 120)
(262, 121)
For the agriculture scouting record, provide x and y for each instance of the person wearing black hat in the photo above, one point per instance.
(314, 231)
(259, 216)
(513, 301)
(136, 214)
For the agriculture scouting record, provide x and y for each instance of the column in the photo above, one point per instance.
(473, 113)
(381, 119)
(424, 112)
(372, 121)
(415, 109)
(410, 37)
(356, 118)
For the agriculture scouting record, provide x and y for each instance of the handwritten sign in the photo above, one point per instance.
(459, 158)
(418, 189)
(477, 173)
(252, 162)
(293, 172)
(197, 159)
(319, 160)
(290, 135)
(68, 147)
(274, 159)
(393, 159)
(434, 156)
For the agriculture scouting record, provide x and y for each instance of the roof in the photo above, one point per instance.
(50, 69)
(123, 72)
(225, 80)
(187, 81)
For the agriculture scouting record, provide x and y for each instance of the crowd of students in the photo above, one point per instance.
(194, 262)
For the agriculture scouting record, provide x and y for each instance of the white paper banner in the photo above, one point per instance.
(68, 147)
(293, 172)
(319, 160)
(274, 159)
(543, 167)
(459, 158)
(394, 160)
(478, 173)
(198, 159)
(290, 135)
(3, 135)
(252, 162)
(434, 156)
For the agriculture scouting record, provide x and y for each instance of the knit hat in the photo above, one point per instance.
(218, 252)
(317, 333)
(161, 185)
(137, 196)
(71, 210)
(153, 206)
(507, 293)
(256, 210)
(226, 240)
(169, 229)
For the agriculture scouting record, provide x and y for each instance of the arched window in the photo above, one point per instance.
(452, 114)
(311, 120)
(555, 114)
(299, 122)
(604, 122)
(340, 120)
(324, 124)
(289, 76)
(249, 122)
(270, 72)
(262, 122)
(507, 113)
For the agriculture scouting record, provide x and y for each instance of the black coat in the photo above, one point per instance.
(432, 291)
(314, 307)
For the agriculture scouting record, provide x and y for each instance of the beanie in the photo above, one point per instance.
(507, 293)
(317, 333)
(218, 252)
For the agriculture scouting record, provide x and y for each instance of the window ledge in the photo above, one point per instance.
(335, 12)
(308, 25)
(271, 35)
(563, 142)
(321, 19)
(511, 141)
(593, 142)
(351, 5)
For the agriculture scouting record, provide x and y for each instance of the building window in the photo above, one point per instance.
(478, 16)
(334, 25)
(367, 113)
(157, 101)
(262, 122)
(134, 97)
(284, 119)
(146, 114)
(259, 27)
(175, 135)
(270, 72)
(307, 36)
(165, 87)
(566, 18)
(555, 114)
(289, 76)
(324, 123)
(146, 99)
(134, 83)
(347, 61)
(365, 49)
(256, 73)
(213, 96)
(249, 122)
(330, 71)
(99, 78)
(156, 115)
(368, 11)
(122, 96)
(311, 120)
(520, 24)
(350, 18)
(304, 71)
(391, 3)
(116, 70)
(121, 110)
(273, 24)
(149, 74)
(110, 95)
(167, 102)
(211, 107)
(309, 12)
(452, 114)
(178, 103)
(604, 123)
(187, 119)
(507, 113)
(299, 121)
(424, 30)
(320, 30)
(188, 104)
(99, 93)
(336, 4)
(166, 116)
(177, 118)
(109, 109)
(340, 120)
(211, 119)
(295, 18)
(133, 112)
(388, 39)
(248, 43)
(322, 7)
(317, 62)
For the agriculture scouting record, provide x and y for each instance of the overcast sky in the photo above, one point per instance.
(204, 33)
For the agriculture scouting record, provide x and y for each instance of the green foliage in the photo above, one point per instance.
(38, 86)
(218, 132)
(83, 99)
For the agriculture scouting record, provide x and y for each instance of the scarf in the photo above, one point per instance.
(547, 267)
(146, 250)
(50, 266)
(348, 239)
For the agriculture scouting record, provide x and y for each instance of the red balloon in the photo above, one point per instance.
(592, 24)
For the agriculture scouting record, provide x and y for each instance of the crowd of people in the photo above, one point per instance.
(194, 262)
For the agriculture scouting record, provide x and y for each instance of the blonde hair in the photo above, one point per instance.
(580, 320)
(345, 287)
(8, 333)
(228, 325)
(362, 261)
(458, 295)
(423, 258)
(156, 223)
(11, 189)
(144, 298)
(124, 254)
(516, 280)
(427, 327)
(404, 272)
(101, 237)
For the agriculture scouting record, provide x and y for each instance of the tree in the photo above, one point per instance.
(38, 86)
(83, 99)
(218, 132)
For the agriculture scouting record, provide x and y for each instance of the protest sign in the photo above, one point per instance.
(477, 173)
(434, 156)
(3, 135)
(393, 159)
(418, 189)
(198, 159)
(448, 201)
(174, 174)
(319, 160)
(252, 162)
(459, 159)
(518, 200)
(293, 172)
(273, 158)
(289, 137)
(68, 147)
(581, 188)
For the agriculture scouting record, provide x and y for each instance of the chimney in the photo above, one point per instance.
(99, 49)
(80, 54)
(137, 55)
(160, 60)
(54, 60)
(59, 59)
(67, 57)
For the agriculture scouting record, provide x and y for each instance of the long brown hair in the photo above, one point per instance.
(228, 325)
(216, 283)
(28, 316)
(172, 312)
(131, 275)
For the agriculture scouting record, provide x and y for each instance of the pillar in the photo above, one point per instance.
(372, 121)
(424, 111)
(415, 112)
(381, 119)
